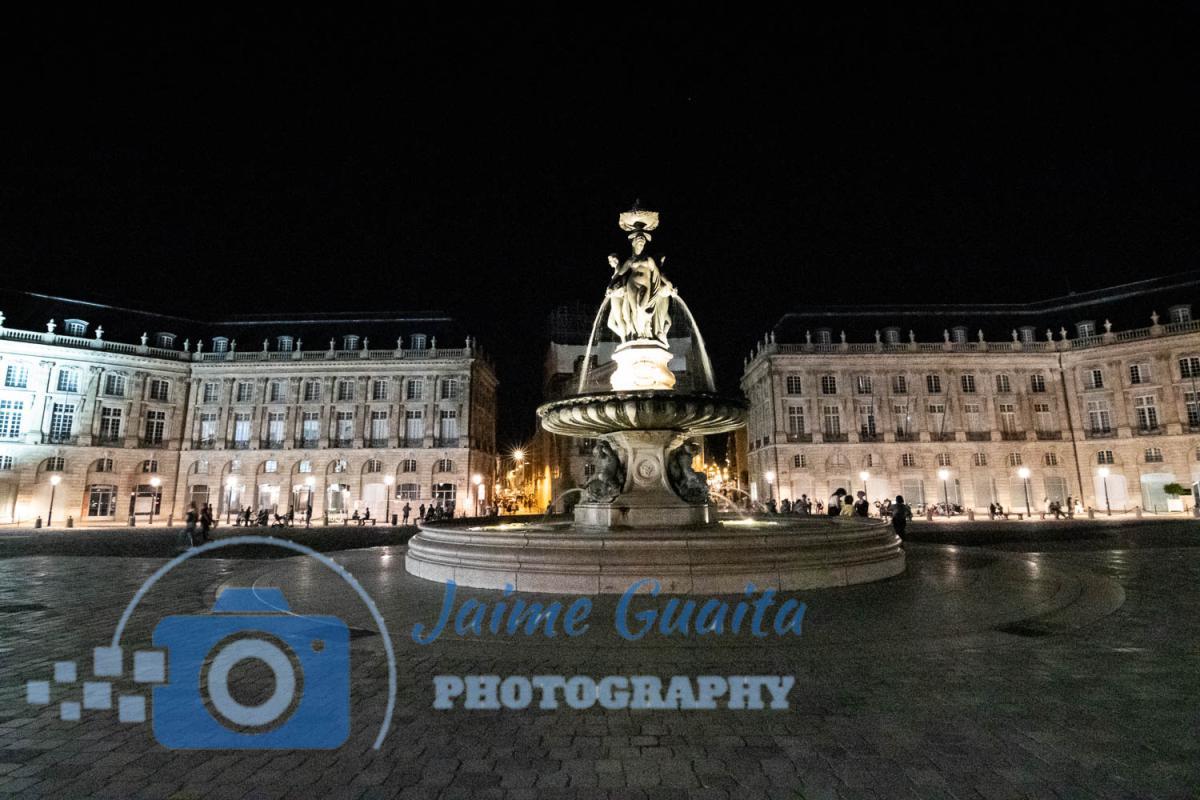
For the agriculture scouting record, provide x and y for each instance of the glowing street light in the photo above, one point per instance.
(944, 476)
(388, 480)
(477, 479)
(54, 481)
(230, 482)
(864, 476)
(1103, 472)
(1023, 473)
(155, 482)
(311, 483)
(770, 476)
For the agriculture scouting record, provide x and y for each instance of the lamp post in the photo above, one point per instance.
(311, 483)
(54, 481)
(864, 476)
(388, 480)
(770, 476)
(944, 476)
(1103, 472)
(229, 484)
(155, 482)
(477, 479)
(1023, 473)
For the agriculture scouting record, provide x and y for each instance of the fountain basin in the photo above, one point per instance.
(598, 413)
(786, 555)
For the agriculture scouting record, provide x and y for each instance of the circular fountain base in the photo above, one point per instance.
(713, 559)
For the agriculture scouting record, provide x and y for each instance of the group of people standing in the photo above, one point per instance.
(199, 519)
(844, 504)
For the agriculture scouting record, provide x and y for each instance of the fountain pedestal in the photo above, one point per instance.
(643, 364)
(647, 499)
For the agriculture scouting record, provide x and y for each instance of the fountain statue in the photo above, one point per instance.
(646, 511)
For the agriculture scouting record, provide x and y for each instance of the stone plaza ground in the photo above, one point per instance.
(1022, 666)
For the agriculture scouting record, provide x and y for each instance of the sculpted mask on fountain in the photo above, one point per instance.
(689, 484)
(610, 475)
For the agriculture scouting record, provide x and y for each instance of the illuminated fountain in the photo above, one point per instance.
(646, 512)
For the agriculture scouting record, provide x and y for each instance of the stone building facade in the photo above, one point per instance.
(114, 429)
(1079, 392)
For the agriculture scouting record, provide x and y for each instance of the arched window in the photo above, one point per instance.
(55, 464)
(908, 460)
(75, 327)
(418, 341)
(339, 465)
(220, 344)
(800, 461)
(164, 340)
(374, 465)
(980, 459)
(349, 342)
(1104, 457)
(1014, 459)
(943, 459)
(1154, 455)
(445, 465)
(104, 465)
(839, 461)
(149, 466)
(284, 344)
(408, 465)
(304, 466)
(1050, 459)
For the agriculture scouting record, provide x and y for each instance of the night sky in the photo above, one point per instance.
(289, 163)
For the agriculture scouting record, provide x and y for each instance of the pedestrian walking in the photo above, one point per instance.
(901, 514)
(406, 511)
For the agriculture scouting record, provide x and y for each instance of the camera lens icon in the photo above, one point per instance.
(218, 694)
(246, 648)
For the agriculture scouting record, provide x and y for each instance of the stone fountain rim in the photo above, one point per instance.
(588, 398)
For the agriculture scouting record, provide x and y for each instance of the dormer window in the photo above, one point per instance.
(418, 341)
(164, 340)
(1085, 328)
(1028, 334)
(284, 344)
(891, 335)
(220, 344)
(75, 327)
(349, 342)
(959, 334)
(824, 336)
(1180, 313)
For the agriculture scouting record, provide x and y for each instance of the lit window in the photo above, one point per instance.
(339, 465)
(76, 327)
(6, 463)
(408, 491)
(62, 420)
(271, 465)
(68, 380)
(1028, 334)
(11, 413)
(1154, 455)
(304, 466)
(589, 470)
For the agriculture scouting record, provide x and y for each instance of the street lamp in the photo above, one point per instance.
(1023, 472)
(1103, 472)
(864, 476)
(477, 479)
(155, 482)
(229, 484)
(944, 476)
(388, 480)
(311, 483)
(54, 481)
(770, 476)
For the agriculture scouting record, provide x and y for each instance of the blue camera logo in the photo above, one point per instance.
(307, 703)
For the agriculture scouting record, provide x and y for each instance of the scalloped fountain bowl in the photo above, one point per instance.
(599, 413)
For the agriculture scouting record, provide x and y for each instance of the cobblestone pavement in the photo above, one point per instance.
(1068, 671)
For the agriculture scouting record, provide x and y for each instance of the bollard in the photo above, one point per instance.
(1137, 510)
(394, 518)
(970, 515)
(132, 521)
(929, 515)
(1091, 513)
(171, 520)
(70, 522)
(37, 523)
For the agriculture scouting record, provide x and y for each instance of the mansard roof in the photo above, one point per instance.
(1126, 306)
(31, 311)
